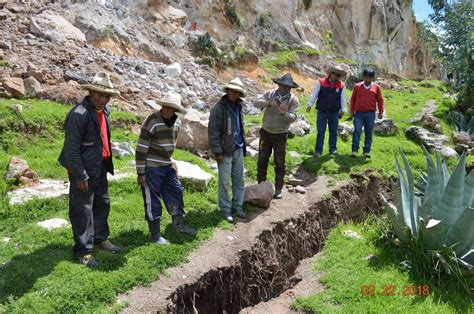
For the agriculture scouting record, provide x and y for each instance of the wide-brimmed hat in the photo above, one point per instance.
(172, 100)
(101, 83)
(235, 84)
(336, 69)
(286, 80)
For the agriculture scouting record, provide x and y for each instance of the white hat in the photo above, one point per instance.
(172, 100)
(101, 83)
(236, 84)
(336, 69)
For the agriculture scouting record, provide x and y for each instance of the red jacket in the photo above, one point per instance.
(366, 100)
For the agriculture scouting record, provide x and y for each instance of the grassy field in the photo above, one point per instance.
(370, 275)
(41, 274)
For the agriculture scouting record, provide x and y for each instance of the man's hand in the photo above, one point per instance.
(141, 179)
(352, 115)
(308, 109)
(219, 158)
(175, 167)
(341, 113)
(281, 108)
(380, 115)
(82, 185)
(272, 103)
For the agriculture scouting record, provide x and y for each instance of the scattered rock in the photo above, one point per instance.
(460, 148)
(385, 127)
(43, 189)
(173, 14)
(344, 130)
(18, 108)
(290, 188)
(425, 137)
(448, 152)
(252, 152)
(255, 144)
(122, 150)
(461, 138)
(173, 70)
(294, 154)
(52, 224)
(252, 133)
(6, 239)
(430, 121)
(351, 234)
(4, 93)
(200, 104)
(259, 194)
(190, 173)
(66, 93)
(32, 87)
(193, 134)
(294, 181)
(14, 85)
(16, 168)
(300, 127)
(300, 189)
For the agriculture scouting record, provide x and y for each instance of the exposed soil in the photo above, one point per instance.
(256, 261)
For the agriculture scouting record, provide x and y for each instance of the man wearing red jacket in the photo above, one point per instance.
(366, 98)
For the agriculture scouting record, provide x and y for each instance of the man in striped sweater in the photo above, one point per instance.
(157, 172)
(366, 98)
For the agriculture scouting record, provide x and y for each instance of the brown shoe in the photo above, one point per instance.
(109, 247)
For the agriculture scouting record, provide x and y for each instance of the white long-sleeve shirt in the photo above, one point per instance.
(315, 94)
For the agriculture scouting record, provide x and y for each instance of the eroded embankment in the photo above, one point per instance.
(267, 269)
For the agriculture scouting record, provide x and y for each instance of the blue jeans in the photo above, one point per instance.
(232, 168)
(366, 120)
(162, 183)
(331, 119)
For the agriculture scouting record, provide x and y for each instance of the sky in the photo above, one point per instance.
(422, 9)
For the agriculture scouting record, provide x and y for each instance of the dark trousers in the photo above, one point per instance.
(277, 143)
(88, 212)
(162, 183)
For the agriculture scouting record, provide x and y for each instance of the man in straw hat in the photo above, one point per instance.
(280, 106)
(331, 105)
(157, 172)
(227, 143)
(365, 100)
(87, 157)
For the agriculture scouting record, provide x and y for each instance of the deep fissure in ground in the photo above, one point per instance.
(267, 269)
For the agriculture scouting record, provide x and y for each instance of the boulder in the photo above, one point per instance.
(385, 127)
(259, 194)
(54, 27)
(461, 138)
(461, 148)
(33, 88)
(52, 224)
(175, 15)
(193, 134)
(300, 189)
(14, 85)
(18, 108)
(344, 130)
(252, 152)
(193, 174)
(255, 144)
(431, 122)
(43, 189)
(425, 137)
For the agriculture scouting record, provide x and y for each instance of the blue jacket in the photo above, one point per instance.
(82, 150)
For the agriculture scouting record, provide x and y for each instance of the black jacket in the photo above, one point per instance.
(82, 150)
(222, 126)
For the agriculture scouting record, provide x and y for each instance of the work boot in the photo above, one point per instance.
(179, 226)
(240, 212)
(155, 235)
(87, 260)
(278, 193)
(109, 247)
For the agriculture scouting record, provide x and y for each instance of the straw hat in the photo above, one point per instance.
(236, 84)
(286, 80)
(336, 69)
(101, 83)
(172, 100)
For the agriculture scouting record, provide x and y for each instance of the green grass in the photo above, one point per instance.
(4, 63)
(274, 61)
(348, 264)
(41, 273)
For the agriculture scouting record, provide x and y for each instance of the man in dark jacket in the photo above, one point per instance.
(87, 157)
(227, 143)
(330, 92)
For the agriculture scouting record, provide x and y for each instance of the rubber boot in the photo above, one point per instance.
(155, 234)
(179, 226)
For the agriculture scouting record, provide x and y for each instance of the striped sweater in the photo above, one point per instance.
(156, 143)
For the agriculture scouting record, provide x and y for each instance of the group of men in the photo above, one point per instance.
(87, 152)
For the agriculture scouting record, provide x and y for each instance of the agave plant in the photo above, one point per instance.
(205, 41)
(442, 216)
